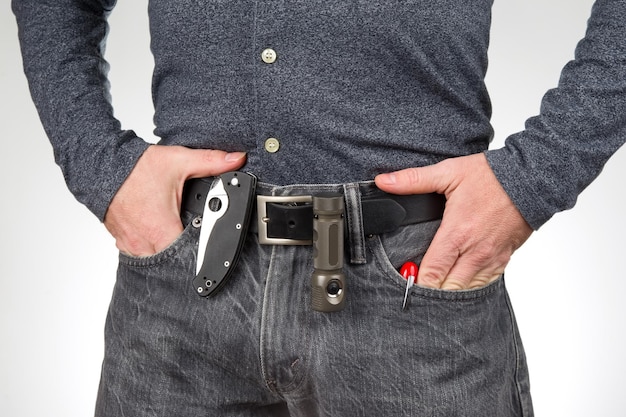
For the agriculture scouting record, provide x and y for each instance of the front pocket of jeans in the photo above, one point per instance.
(187, 236)
(410, 244)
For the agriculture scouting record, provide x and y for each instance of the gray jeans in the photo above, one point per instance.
(258, 349)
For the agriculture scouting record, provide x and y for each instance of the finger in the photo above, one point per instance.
(478, 281)
(471, 263)
(456, 256)
(199, 163)
(440, 257)
(464, 271)
(466, 275)
(430, 179)
(178, 163)
(436, 264)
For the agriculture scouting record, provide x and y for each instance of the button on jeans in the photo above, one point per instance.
(257, 348)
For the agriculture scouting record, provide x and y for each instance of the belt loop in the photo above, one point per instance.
(354, 220)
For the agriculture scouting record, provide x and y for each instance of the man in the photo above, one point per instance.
(302, 96)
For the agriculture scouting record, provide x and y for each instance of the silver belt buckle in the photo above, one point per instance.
(263, 220)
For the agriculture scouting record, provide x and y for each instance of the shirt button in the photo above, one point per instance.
(268, 56)
(272, 145)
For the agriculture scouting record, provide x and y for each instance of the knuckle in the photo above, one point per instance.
(482, 255)
(208, 155)
(412, 175)
(133, 246)
(489, 252)
(433, 276)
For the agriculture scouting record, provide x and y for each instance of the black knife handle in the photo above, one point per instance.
(228, 235)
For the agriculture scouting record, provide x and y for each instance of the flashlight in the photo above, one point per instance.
(328, 281)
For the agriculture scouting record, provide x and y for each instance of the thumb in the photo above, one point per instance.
(200, 163)
(422, 180)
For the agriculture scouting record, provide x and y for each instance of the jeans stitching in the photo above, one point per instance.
(269, 382)
(518, 360)
(377, 250)
(160, 257)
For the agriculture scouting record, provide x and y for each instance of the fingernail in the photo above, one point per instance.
(234, 156)
(388, 179)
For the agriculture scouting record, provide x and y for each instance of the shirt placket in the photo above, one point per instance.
(269, 58)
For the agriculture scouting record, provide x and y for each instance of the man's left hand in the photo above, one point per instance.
(480, 229)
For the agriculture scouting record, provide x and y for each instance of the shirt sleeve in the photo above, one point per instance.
(581, 124)
(62, 44)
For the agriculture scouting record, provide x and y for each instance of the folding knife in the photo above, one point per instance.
(226, 215)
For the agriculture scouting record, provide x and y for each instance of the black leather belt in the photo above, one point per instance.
(289, 219)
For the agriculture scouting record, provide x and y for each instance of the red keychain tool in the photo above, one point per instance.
(409, 272)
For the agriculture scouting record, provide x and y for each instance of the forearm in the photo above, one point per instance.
(581, 124)
(62, 46)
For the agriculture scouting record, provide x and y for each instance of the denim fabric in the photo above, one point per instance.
(258, 349)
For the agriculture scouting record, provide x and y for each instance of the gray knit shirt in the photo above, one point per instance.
(357, 88)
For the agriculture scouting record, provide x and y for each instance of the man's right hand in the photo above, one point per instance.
(144, 215)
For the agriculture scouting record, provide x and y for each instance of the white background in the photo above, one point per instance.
(57, 262)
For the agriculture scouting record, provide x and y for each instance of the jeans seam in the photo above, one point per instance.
(269, 383)
(272, 383)
(518, 364)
